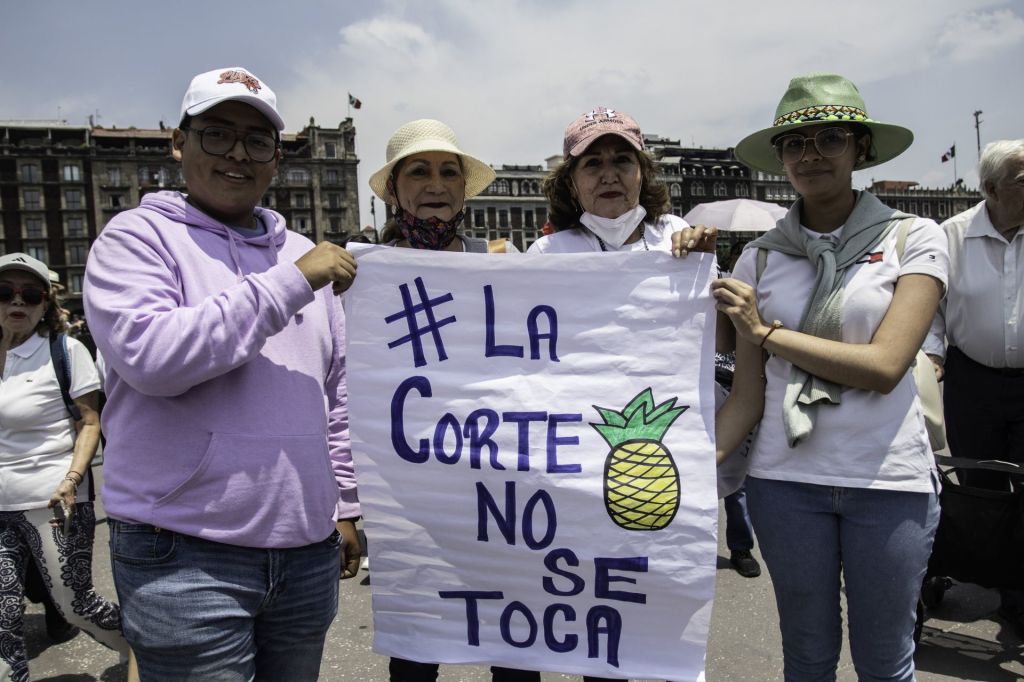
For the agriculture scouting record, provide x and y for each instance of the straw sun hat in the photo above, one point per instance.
(821, 99)
(428, 135)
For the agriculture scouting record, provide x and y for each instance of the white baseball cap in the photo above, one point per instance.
(209, 89)
(26, 263)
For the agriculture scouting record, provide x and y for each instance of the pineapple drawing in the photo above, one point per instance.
(641, 482)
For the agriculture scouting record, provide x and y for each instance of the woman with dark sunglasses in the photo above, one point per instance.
(830, 309)
(46, 516)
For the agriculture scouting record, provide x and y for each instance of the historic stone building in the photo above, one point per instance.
(936, 203)
(60, 184)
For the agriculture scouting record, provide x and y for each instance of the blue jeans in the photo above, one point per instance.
(878, 541)
(739, 534)
(194, 609)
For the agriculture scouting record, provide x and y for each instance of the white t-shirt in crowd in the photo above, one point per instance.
(658, 236)
(869, 440)
(37, 434)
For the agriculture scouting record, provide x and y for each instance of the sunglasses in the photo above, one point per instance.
(31, 295)
(830, 142)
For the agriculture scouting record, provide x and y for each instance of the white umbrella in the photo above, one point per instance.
(736, 215)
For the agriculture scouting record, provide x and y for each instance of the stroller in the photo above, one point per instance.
(980, 538)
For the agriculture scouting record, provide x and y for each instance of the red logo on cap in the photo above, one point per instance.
(246, 79)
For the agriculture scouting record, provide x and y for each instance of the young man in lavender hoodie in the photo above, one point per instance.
(226, 419)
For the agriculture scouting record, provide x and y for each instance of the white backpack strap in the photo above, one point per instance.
(902, 230)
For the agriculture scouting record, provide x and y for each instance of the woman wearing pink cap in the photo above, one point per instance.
(605, 195)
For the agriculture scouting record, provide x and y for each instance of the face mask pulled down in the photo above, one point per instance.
(614, 231)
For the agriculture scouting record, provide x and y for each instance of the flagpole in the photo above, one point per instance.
(955, 176)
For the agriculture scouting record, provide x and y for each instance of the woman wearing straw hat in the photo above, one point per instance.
(426, 180)
(842, 483)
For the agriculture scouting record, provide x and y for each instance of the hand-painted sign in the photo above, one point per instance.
(533, 444)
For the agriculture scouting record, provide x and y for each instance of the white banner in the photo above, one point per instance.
(533, 438)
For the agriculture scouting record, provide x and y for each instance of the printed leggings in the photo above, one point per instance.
(65, 564)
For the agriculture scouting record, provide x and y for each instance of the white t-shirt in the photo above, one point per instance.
(869, 440)
(37, 434)
(658, 236)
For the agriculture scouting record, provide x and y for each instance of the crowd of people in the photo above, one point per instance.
(228, 476)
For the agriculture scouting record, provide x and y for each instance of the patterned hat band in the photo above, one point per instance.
(828, 112)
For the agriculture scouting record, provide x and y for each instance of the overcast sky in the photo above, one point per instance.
(508, 76)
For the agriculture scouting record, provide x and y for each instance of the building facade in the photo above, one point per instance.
(60, 184)
(937, 203)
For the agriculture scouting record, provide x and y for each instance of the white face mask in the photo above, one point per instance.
(614, 231)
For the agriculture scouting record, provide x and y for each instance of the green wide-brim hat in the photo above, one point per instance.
(822, 99)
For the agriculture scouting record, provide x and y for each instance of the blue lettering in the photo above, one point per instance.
(472, 613)
(505, 624)
(570, 641)
(543, 497)
(535, 336)
(491, 349)
(506, 523)
(478, 439)
(555, 440)
(602, 577)
(447, 423)
(551, 563)
(421, 384)
(523, 419)
(604, 620)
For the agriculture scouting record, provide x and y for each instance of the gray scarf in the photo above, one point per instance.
(867, 225)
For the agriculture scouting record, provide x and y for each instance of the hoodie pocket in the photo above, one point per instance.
(256, 490)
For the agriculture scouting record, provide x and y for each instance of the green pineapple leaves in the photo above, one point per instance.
(641, 419)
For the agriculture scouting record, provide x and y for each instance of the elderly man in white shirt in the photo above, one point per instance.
(983, 355)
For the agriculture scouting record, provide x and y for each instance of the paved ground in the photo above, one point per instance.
(963, 639)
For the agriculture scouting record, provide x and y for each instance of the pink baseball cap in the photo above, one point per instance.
(209, 89)
(600, 121)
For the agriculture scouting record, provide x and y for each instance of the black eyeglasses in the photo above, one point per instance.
(830, 142)
(31, 295)
(218, 141)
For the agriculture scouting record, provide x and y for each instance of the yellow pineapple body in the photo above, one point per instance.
(641, 485)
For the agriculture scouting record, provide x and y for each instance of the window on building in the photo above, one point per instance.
(31, 199)
(334, 200)
(330, 150)
(72, 172)
(117, 201)
(267, 201)
(332, 176)
(30, 173)
(114, 175)
(478, 218)
(742, 190)
(542, 216)
(303, 225)
(73, 199)
(926, 210)
(297, 176)
(503, 217)
(913, 207)
(34, 227)
(942, 209)
(335, 223)
(37, 251)
(901, 206)
(75, 283)
(501, 186)
(528, 218)
(77, 254)
(697, 189)
(74, 226)
(719, 189)
(675, 190)
(300, 200)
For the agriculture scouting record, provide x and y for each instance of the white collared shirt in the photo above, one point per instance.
(981, 313)
(36, 432)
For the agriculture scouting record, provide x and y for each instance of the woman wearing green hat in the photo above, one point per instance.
(830, 309)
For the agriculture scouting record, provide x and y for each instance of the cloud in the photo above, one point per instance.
(975, 35)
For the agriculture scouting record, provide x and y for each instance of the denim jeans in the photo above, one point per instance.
(877, 541)
(739, 534)
(193, 609)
